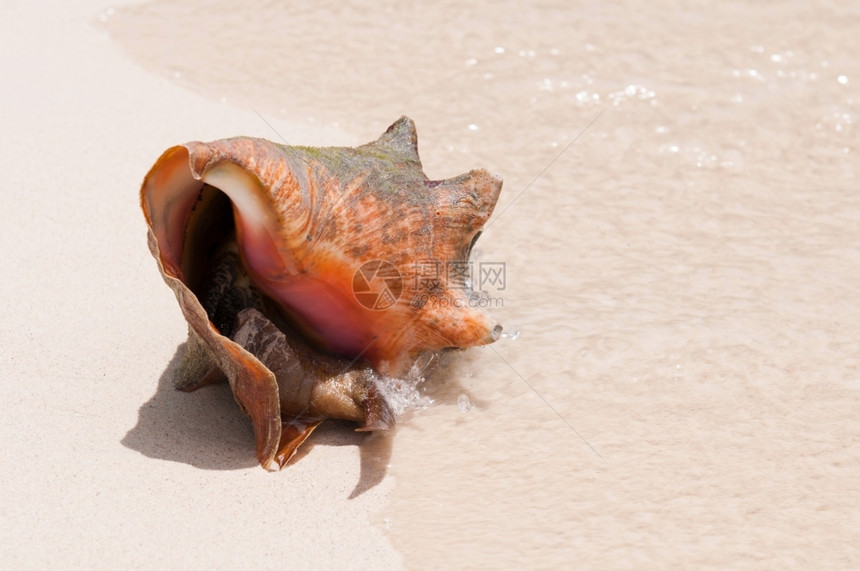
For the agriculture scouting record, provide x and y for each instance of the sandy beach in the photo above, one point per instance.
(105, 465)
(679, 381)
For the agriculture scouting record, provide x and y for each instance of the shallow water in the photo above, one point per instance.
(679, 229)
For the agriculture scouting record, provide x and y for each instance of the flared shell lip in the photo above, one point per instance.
(158, 194)
(172, 185)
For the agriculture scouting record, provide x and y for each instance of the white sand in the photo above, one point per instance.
(103, 464)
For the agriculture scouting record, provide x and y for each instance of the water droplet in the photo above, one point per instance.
(473, 127)
(842, 79)
(499, 50)
(472, 61)
(463, 403)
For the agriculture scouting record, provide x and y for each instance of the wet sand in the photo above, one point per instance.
(104, 464)
(679, 232)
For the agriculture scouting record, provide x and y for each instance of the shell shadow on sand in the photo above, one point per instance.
(206, 429)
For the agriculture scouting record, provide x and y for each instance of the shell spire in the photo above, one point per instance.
(399, 140)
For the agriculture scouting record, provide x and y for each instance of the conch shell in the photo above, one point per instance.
(293, 265)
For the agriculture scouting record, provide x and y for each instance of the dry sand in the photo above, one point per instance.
(104, 465)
